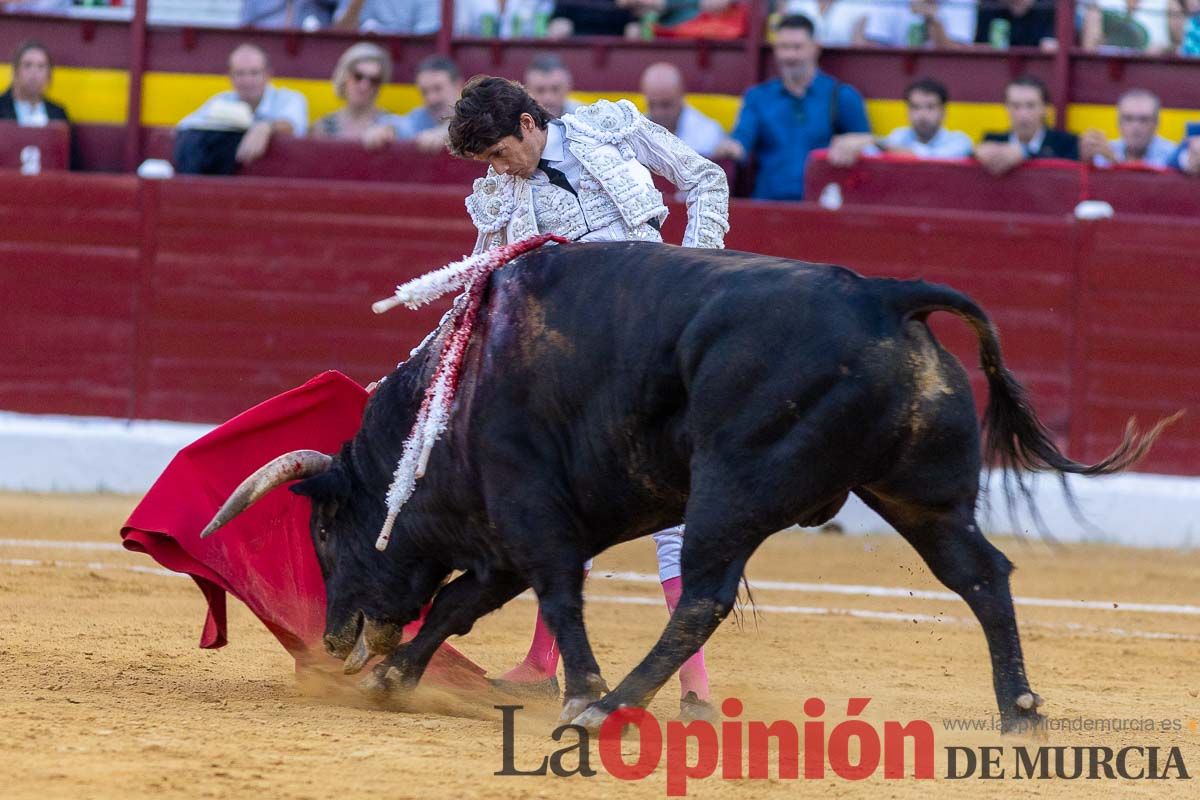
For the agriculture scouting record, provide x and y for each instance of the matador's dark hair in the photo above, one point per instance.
(490, 109)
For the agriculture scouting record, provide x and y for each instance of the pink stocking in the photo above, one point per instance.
(693, 676)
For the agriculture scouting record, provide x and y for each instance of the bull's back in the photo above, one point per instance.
(618, 296)
(617, 324)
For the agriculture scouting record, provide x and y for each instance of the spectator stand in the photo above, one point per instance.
(141, 316)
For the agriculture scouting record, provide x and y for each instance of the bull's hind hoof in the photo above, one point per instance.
(1024, 718)
(590, 719)
(1029, 700)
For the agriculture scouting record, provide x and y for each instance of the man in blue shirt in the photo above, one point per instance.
(440, 84)
(1187, 158)
(784, 119)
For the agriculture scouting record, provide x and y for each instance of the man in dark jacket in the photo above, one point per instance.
(25, 101)
(1025, 99)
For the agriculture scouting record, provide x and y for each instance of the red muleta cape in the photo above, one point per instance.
(264, 557)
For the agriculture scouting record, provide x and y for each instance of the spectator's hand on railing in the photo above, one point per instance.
(926, 9)
(433, 140)
(254, 143)
(378, 137)
(731, 149)
(1094, 143)
(844, 150)
(999, 157)
(1191, 157)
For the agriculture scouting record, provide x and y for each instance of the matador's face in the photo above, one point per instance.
(517, 156)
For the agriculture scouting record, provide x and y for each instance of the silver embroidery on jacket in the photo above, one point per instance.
(618, 148)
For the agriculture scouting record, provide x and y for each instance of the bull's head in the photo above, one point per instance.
(369, 597)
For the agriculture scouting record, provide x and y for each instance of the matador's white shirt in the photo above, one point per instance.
(607, 151)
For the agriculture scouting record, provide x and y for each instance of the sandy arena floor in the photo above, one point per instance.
(103, 692)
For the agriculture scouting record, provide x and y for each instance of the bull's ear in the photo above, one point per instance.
(329, 485)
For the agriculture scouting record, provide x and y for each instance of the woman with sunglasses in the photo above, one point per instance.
(359, 74)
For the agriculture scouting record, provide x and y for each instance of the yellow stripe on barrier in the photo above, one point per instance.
(99, 96)
(1084, 116)
(973, 119)
(168, 97)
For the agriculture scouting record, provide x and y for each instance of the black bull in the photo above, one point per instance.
(613, 389)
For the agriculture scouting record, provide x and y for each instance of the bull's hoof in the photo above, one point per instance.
(573, 707)
(1024, 718)
(590, 719)
(381, 683)
(1029, 700)
(692, 708)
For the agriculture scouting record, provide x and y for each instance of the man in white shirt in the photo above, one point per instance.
(924, 136)
(287, 13)
(1139, 25)
(272, 110)
(837, 23)
(1137, 120)
(664, 90)
(417, 17)
(923, 23)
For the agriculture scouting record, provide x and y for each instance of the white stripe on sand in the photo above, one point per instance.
(816, 611)
(896, 616)
(923, 594)
(783, 586)
(54, 544)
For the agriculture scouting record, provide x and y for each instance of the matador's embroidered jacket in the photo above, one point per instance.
(615, 198)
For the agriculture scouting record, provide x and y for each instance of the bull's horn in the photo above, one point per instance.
(360, 655)
(292, 466)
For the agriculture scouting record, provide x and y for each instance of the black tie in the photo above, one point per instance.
(556, 177)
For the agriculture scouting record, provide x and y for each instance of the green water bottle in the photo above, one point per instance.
(648, 23)
(916, 34)
(541, 23)
(1000, 33)
(489, 26)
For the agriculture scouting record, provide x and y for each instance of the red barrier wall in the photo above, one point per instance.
(53, 144)
(1049, 186)
(70, 248)
(194, 298)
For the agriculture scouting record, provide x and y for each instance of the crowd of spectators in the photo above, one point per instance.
(780, 122)
(1151, 26)
(804, 109)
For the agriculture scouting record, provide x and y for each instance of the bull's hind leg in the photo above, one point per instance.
(958, 554)
(711, 575)
(729, 514)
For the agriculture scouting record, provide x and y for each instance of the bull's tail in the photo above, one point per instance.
(1015, 440)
